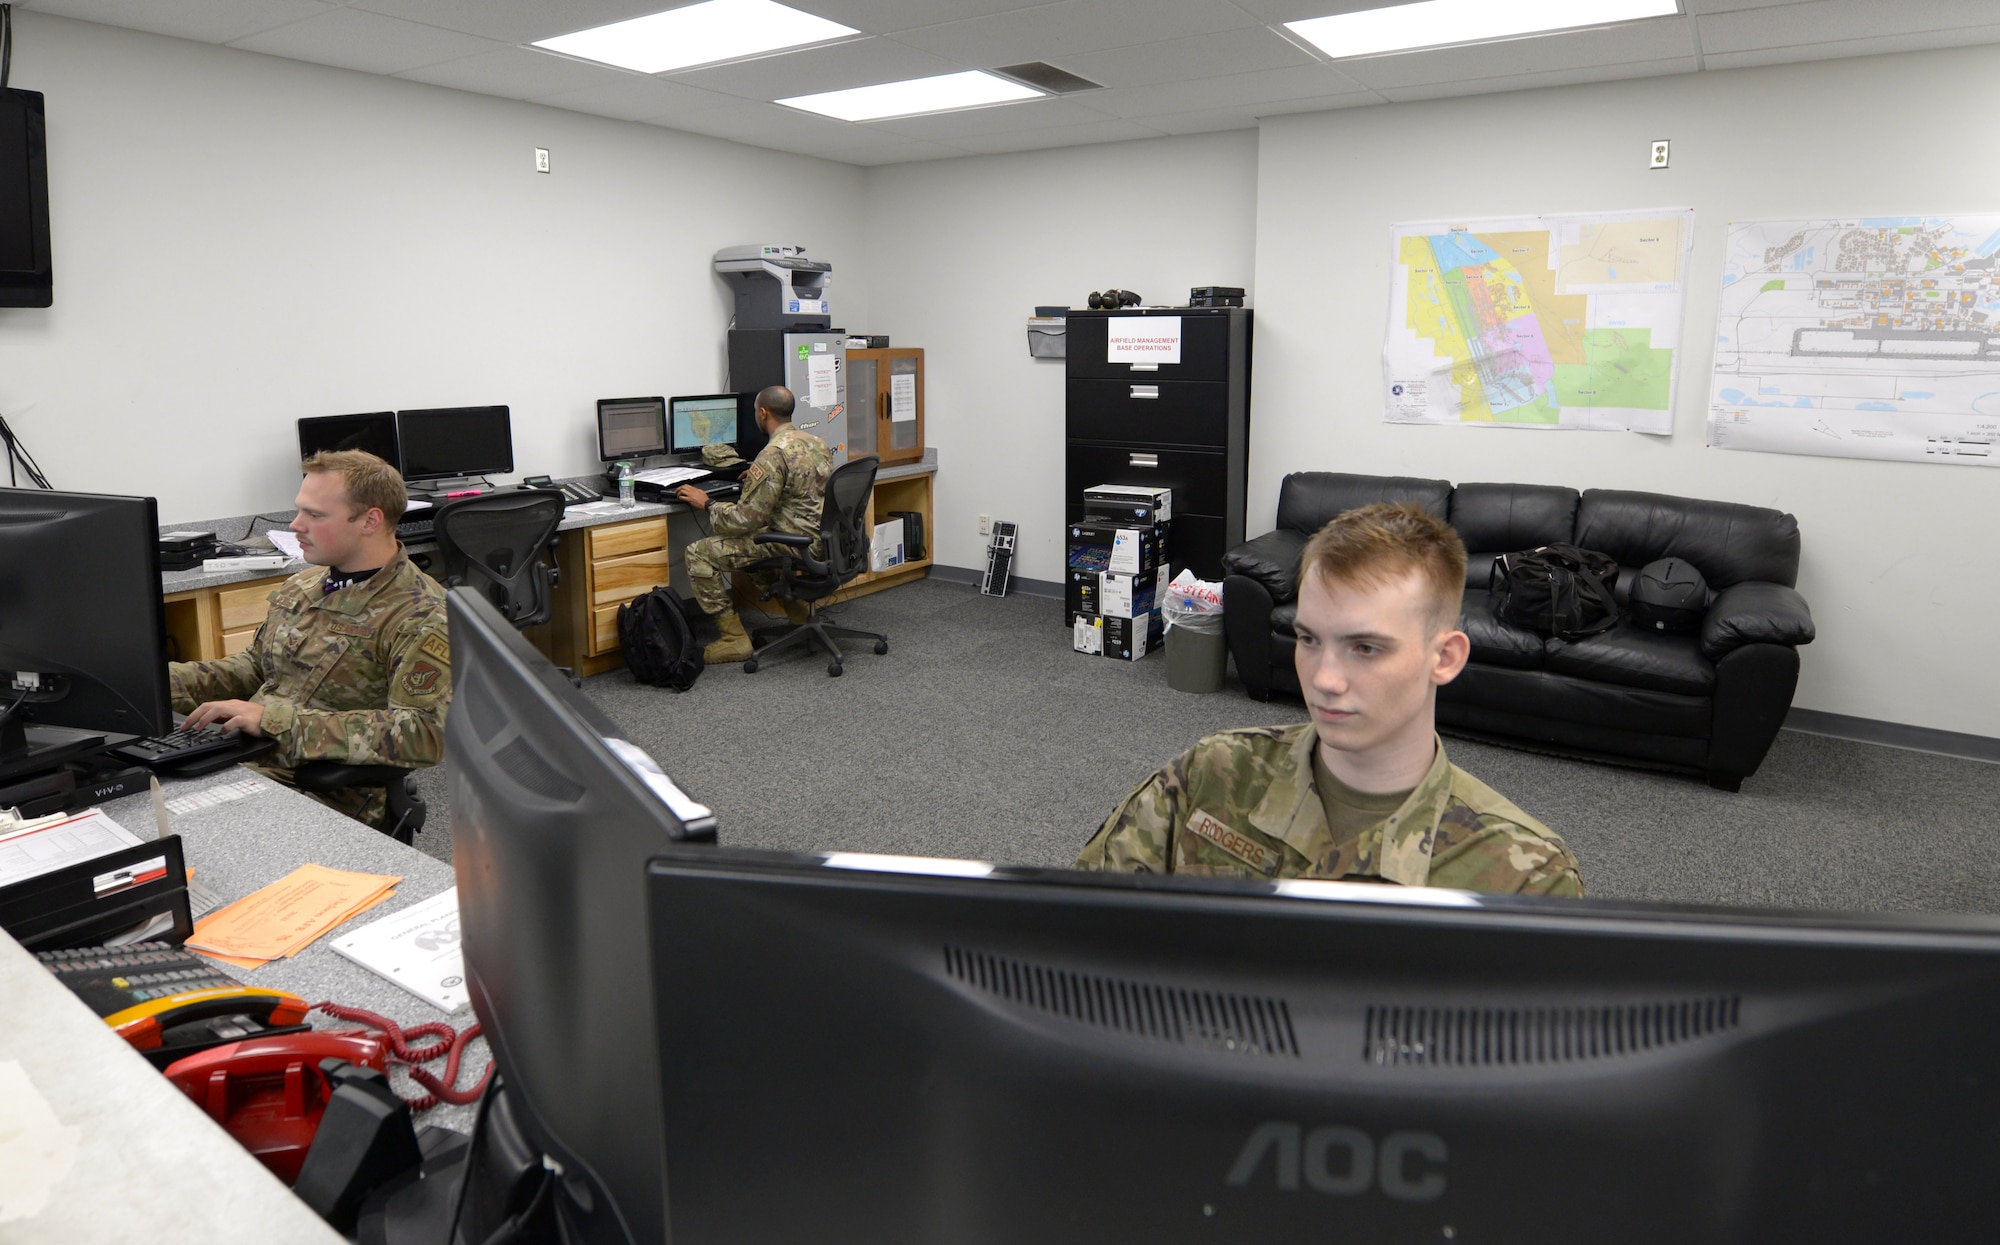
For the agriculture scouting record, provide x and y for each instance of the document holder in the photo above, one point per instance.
(94, 901)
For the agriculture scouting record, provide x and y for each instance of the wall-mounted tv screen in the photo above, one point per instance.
(25, 278)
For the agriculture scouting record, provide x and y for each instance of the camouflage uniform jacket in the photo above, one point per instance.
(361, 675)
(1243, 803)
(782, 491)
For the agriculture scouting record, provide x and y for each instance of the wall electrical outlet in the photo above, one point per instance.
(1659, 154)
(541, 159)
(985, 525)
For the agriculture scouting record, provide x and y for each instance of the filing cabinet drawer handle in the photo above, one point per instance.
(1145, 391)
(1145, 460)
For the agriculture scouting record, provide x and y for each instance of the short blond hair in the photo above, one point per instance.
(371, 483)
(1373, 544)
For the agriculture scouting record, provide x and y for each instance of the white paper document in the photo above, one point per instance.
(667, 477)
(903, 398)
(55, 843)
(1143, 339)
(820, 377)
(417, 948)
(285, 542)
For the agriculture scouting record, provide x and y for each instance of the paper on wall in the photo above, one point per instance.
(820, 381)
(1143, 339)
(903, 398)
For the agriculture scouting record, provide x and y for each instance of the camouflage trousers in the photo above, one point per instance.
(711, 556)
(367, 805)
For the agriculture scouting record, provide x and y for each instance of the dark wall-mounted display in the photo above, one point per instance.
(25, 275)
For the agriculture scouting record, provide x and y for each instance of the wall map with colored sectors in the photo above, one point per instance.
(1545, 321)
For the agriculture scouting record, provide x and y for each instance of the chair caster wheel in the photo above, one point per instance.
(833, 669)
(750, 667)
(881, 647)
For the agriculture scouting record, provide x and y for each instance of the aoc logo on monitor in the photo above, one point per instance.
(1342, 1161)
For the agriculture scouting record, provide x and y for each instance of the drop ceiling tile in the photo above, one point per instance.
(636, 97)
(1923, 41)
(1279, 11)
(514, 21)
(516, 73)
(904, 152)
(1299, 82)
(1054, 31)
(205, 21)
(1060, 136)
(1833, 21)
(1699, 8)
(351, 39)
(1635, 42)
(767, 125)
(1197, 56)
(858, 62)
(1033, 114)
(879, 17)
(1534, 81)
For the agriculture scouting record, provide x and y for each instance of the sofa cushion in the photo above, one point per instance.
(1729, 544)
(1502, 518)
(1284, 620)
(1271, 559)
(1631, 656)
(1309, 500)
(1499, 643)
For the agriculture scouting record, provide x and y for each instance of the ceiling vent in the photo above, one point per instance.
(1046, 77)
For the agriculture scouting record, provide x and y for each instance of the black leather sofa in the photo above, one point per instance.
(1707, 704)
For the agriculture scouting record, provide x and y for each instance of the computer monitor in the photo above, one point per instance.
(82, 625)
(374, 432)
(455, 442)
(707, 419)
(631, 427)
(554, 815)
(895, 1050)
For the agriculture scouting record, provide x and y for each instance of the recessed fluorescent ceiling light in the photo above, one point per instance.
(700, 34)
(943, 93)
(1435, 23)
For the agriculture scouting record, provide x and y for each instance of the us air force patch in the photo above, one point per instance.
(421, 679)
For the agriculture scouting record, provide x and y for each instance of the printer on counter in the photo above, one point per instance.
(777, 287)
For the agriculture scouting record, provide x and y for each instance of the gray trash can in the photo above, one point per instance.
(1195, 658)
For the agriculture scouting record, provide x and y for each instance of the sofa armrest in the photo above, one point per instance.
(1754, 613)
(1272, 560)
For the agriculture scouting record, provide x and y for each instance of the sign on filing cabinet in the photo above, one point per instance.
(1144, 339)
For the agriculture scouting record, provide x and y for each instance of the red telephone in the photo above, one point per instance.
(269, 1093)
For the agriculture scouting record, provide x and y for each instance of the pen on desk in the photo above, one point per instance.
(160, 807)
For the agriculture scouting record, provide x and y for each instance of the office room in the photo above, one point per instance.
(270, 210)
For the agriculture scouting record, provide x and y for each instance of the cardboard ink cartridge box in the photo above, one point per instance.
(1098, 546)
(1129, 608)
(1080, 595)
(1131, 504)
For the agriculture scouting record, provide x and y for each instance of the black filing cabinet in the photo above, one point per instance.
(1183, 426)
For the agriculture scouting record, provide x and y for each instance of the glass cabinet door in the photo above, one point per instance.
(906, 400)
(862, 388)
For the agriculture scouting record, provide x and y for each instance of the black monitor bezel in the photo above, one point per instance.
(35, 286)
(469, 469)
(386, 418)
(744, 410)
(604, 453)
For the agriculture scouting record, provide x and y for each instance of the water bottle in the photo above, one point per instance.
(626, 497)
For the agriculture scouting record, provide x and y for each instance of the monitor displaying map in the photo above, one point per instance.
(709, 419)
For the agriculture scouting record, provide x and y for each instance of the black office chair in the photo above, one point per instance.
(802, 577)
(407, 809)
(503, 544)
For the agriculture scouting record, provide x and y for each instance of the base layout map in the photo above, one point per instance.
(1871, 338)
(1569, 322)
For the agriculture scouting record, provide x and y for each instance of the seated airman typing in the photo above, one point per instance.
(1363, 792)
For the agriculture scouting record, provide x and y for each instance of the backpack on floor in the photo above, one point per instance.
(659, 643)
(1558, 590)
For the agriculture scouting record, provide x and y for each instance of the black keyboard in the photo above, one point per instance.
(414, 529)
(177, 745)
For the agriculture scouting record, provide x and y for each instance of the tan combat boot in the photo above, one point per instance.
(798, 611)
(734, 645)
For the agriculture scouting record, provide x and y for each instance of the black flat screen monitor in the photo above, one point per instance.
(554, 815)
(82, 624)
(862, 1051)
(706, 419)
(373, 431)
(26, 262)
(450, 441)
(631, 427)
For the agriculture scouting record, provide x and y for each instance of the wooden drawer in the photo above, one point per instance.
(616, 540)
(245, 605)
(234, 642)
(618, 580)
(604, 630)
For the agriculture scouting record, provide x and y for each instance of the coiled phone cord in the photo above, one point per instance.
(450, 1042)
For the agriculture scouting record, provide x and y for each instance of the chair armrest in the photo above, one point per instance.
(1755, 613)
(324, 776)
(783, 538)
(1272, 560)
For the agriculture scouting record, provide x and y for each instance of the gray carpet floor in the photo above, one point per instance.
(980, 734)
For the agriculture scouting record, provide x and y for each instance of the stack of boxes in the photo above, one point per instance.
(1117, 569)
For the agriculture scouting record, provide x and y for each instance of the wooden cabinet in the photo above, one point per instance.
(207, 624)
(602, 568)
(885, 395)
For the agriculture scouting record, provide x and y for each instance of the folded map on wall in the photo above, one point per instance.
(1563, 322)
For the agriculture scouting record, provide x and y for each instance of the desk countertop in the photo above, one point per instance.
(194, 581)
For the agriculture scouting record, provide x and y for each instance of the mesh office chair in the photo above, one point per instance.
(407, 809)
(503, 544)
(802, 577)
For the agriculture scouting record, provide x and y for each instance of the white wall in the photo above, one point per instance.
(1901, 561)
(242, 240)
(961, 252)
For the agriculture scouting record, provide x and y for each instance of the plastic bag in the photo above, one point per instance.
(1192, 603)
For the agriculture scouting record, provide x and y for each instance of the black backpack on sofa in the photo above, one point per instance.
(1558, 590)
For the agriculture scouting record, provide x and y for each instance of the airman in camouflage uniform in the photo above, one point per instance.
(782, 492)
(359, 675)
(1245, 803)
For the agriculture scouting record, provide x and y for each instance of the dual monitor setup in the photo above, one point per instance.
(629, 429)
(441, 443)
